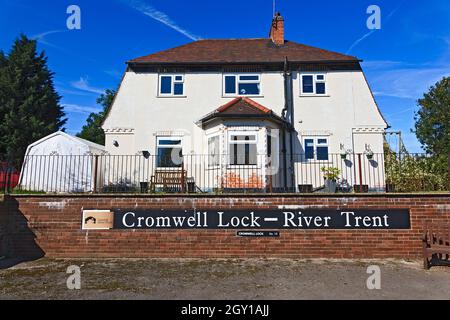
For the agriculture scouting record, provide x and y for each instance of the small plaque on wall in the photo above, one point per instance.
(97, 220)
(253, 233)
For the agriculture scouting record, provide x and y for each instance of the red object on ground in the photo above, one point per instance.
(9, 176)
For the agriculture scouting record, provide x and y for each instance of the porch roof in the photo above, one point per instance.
(243, 108)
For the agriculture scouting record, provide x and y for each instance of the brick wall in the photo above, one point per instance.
(51, 225)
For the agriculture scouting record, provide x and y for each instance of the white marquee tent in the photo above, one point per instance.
(60, 162)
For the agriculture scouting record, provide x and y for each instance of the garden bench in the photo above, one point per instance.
(170, 180)
(436, 241)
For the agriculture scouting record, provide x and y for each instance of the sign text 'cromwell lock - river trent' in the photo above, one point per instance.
(262, 219)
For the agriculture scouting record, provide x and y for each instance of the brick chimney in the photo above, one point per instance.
(277, 30)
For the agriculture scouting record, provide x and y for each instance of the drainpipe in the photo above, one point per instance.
(287, 114)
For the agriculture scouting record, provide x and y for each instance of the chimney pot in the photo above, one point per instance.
(276, 33)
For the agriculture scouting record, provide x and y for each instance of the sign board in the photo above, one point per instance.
(371, 219)
(264, 233)
(97, 220)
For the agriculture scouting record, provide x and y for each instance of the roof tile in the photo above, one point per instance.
(242, 51)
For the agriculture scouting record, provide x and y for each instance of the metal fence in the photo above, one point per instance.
(143, 173)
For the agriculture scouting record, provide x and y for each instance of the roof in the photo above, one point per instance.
(261, 50)
(242, 107)
(73, 138)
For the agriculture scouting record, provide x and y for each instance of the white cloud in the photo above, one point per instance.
(159, 16)
(75, 108)
(409, 83)
(83, 85)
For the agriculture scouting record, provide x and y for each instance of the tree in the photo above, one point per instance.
(29, 103)
(92, 130)
(432, 121)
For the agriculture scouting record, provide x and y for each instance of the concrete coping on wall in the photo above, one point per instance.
(234, 195)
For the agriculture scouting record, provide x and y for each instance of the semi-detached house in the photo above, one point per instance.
(265, 112)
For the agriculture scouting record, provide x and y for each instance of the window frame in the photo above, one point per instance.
(210, 156)
(238, 81)
(237, 142)
(172, 84)
(314, 84)
(171, 138)
(316, 145)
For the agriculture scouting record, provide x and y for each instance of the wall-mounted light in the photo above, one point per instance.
(145, 153)
(115, 143)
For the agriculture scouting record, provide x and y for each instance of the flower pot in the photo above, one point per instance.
(390, 187)
(361, 188)
(330, 185)
(305, 188)
(144, 187)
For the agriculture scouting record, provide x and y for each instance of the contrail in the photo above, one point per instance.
(372, 31)
(159, 16)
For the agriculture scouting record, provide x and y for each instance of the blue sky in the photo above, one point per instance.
(402, 60)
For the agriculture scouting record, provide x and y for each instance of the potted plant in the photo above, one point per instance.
(305, 188)
(369, 154)
(344, 153)
(331, 175)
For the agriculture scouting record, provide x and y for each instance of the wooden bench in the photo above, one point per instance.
(436, 241)
(170, 180)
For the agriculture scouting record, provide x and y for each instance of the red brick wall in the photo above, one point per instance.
(51, 225)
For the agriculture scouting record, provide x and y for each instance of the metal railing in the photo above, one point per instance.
(222, 173)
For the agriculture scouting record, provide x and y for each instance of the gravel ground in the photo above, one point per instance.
(221, 279)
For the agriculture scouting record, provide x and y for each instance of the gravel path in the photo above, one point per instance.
(221, 279)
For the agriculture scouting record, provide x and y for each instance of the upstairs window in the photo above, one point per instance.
(316, 148)
(241, 84)
(313, 84)
(171, 85)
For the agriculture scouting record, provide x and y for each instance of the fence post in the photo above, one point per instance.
(360, 171)
(95, 172)
(183, 182)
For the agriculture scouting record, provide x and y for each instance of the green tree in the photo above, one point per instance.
(92, 130)
(432, 121)
(29, 103)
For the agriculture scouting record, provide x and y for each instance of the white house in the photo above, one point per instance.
(60, 162)
(262, 111)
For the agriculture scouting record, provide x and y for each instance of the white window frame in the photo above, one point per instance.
(315, 81)
(317, 144)
(172, 138)
(238, 81)
(230, 141)
(213, 165)
(173, 82)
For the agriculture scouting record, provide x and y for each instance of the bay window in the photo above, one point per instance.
(242, 149)
(213, 151)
